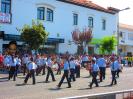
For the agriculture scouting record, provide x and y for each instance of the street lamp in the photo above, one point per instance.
(118, 28)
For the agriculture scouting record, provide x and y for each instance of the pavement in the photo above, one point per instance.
(17, 90)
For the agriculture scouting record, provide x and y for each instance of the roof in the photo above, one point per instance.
(90, 5)
(125, 26)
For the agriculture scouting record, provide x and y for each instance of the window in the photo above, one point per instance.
(103, 24)
(75, 19)
(49, 15)
(41, 13)
(6, 6)
(90, 22)
(130, 36)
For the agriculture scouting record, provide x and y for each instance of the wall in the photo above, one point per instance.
(23, 11)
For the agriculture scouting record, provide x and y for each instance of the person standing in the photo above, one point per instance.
(72, 69)
(114, 67)
(65, 75)
(49, 68)
(25, 60)
(31, 66)
(58, 60)
(77, 67)
(12, 69)
(95, 70)
(102, 66)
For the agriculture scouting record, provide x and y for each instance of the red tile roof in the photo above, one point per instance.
(125, 26)
(89, 4)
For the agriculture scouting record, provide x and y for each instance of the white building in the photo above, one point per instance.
(60, 18)
(126, 39)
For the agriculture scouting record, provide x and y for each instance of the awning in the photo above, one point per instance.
(18, 38)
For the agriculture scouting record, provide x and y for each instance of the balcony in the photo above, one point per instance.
(5, 17)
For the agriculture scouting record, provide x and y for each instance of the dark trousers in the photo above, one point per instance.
(39, 69)
(31, 73)
(12, 73)
(50, 72)
(83, 63)
(59, 69)
(65, 75)
(17, 68)
(43, 69)
(118, 71)
(77, 71)
(72, 74)
(94, 79)
(102, 73)
(24, 69)
(113, 77)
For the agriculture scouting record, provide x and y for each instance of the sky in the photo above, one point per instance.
(125, 16)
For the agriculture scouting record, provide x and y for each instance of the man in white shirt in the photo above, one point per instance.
(49, 68)
(31, 71)
(72, 69)
(25, 60)
(102, 65)
(114, 67)
(12, 68)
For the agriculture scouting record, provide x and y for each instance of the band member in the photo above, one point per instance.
(12, 68)
(65, 75)
(77, 67)
(72, 69)
(25, 61)
(114, 67)
(58, 60)
(49, 68)
(102, 66)
(95, 69)
(31, 66)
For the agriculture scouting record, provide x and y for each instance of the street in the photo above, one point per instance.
(42, 90)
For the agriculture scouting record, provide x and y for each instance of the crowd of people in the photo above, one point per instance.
(33, 65)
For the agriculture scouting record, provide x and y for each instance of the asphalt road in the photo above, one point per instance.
(42, 90)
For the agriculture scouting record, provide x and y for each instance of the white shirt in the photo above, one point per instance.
(85, 58)
(49, 63)
(115, 66)
(31, 66)
(72, 64)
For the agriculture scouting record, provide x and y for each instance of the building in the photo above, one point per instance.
(125, 39)
(60, 18)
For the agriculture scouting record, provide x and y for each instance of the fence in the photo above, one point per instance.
(124, 94)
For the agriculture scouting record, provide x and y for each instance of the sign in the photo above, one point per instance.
(5, 17)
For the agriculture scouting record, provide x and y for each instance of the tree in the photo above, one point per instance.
(34, 35)
(82, 38)
(108, 44)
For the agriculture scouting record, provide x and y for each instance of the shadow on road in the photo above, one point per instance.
(106, 86)
(55, 89)
(84, 88)
(22, 84)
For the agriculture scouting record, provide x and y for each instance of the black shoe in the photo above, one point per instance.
(97, 85)
(58, 87)
(33, 83)
(90, 86)
(54, 80)
(68, 87)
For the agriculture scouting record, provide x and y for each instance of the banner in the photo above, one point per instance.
(5, 17)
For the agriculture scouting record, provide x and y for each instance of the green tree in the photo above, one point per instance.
(34, 35)
(108, 45)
